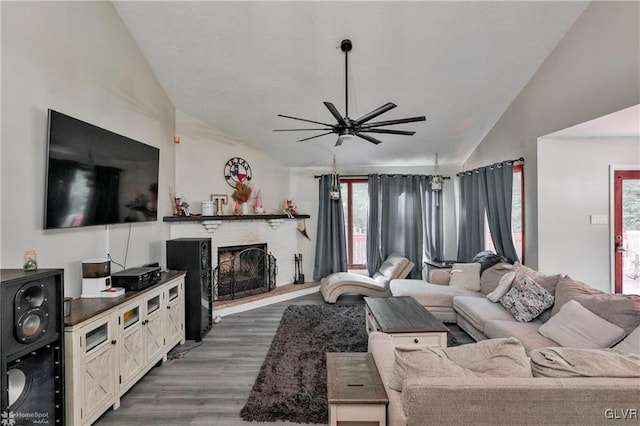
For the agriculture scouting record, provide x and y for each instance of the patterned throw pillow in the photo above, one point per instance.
(527, 299)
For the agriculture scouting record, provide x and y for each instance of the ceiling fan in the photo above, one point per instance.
(348, 128)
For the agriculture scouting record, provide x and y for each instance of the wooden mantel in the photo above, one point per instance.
(211, 223)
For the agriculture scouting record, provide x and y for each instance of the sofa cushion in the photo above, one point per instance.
(489, 358)
(503, 287)
(394, 267)
(487, 259)
(577, 327)
(428, 294)
(548, 282)
(465, 275)
(490, 278)
(572, 362)
(478, 310)
(525, 332)
(621, 309)
(526, 299)
(568, 289)
(631, 343)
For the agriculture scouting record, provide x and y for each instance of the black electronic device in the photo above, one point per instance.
(136, 279)
(194, 256)
(97, 177)
(32, 349)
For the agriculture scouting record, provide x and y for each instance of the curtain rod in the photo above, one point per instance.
(366, 176)
(521, 160)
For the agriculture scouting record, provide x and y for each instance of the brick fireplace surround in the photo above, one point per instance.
(281, 241)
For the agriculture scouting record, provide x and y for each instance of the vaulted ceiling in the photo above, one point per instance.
(236, 65)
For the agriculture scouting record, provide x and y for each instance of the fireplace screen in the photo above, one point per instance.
(244, 271)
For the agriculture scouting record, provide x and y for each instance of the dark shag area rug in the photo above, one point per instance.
(292, 383)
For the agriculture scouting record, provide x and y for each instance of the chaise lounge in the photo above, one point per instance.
(339, 283)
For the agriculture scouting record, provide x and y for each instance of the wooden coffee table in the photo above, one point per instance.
(355, 392)
(406, 320)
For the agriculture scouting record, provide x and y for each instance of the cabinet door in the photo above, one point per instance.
(153, 327)
(98, 342)
(132, 356)
(174, 320)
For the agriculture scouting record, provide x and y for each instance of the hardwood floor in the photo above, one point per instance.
(210, 383)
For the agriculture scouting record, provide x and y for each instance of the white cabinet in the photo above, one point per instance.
(110, 344)
(174, 314)
(93, 370)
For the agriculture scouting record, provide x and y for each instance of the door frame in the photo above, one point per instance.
(612, 206)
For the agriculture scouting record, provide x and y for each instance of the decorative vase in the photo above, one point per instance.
(244, 209)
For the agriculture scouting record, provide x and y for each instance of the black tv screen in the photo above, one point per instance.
(97, 177)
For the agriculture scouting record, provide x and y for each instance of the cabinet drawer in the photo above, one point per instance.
(429, 339)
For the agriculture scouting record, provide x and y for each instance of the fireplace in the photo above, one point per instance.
(244, 270)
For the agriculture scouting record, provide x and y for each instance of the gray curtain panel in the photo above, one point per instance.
(472, 207)
(432, 211)
(331, 243)
(401, 229)
(499, 184)
(374, 259)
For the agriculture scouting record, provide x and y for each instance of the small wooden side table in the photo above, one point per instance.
(355, 392)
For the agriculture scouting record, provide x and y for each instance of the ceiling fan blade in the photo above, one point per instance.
(391, 132)
(313, 137)
(369, 138)
(376, 112)
(334, 111)
(304, 119)
(392, 122)
(297, 130)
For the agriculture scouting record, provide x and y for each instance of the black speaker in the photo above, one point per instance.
(32, 348)
(194, 256)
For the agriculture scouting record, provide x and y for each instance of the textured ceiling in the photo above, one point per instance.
(235, 65)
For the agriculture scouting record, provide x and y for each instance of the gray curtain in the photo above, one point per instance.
(499, 183)
(472, 207)
(374, 259)
(401, 229)
(331, 244)
(432, 211)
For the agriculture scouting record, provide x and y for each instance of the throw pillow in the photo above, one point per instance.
(621, 309)
(631, 343)
(568, 289)
(488, 358)
(487, 259)
(465, 275)
(393, 265)
(526, 299)
(577, 327)
(548, 282)
(503, 287)
(572, 362)
(490, 278)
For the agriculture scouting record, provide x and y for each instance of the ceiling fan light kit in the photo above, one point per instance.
(348, 128)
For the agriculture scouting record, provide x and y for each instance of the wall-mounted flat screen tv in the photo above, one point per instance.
(97, 177)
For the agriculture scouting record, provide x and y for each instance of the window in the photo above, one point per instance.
(355, 203)
(517, 214)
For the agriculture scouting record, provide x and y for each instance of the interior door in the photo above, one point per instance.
(626, 230)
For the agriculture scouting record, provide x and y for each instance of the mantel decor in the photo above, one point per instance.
(211, 223)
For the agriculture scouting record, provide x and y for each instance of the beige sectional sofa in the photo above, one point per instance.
(484, 319)
(504, 400)
(578, 399)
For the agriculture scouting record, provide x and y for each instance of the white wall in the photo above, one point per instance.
(592, 72)
(573, 184)
(304, 188)
(79, 59)
(200, 159)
